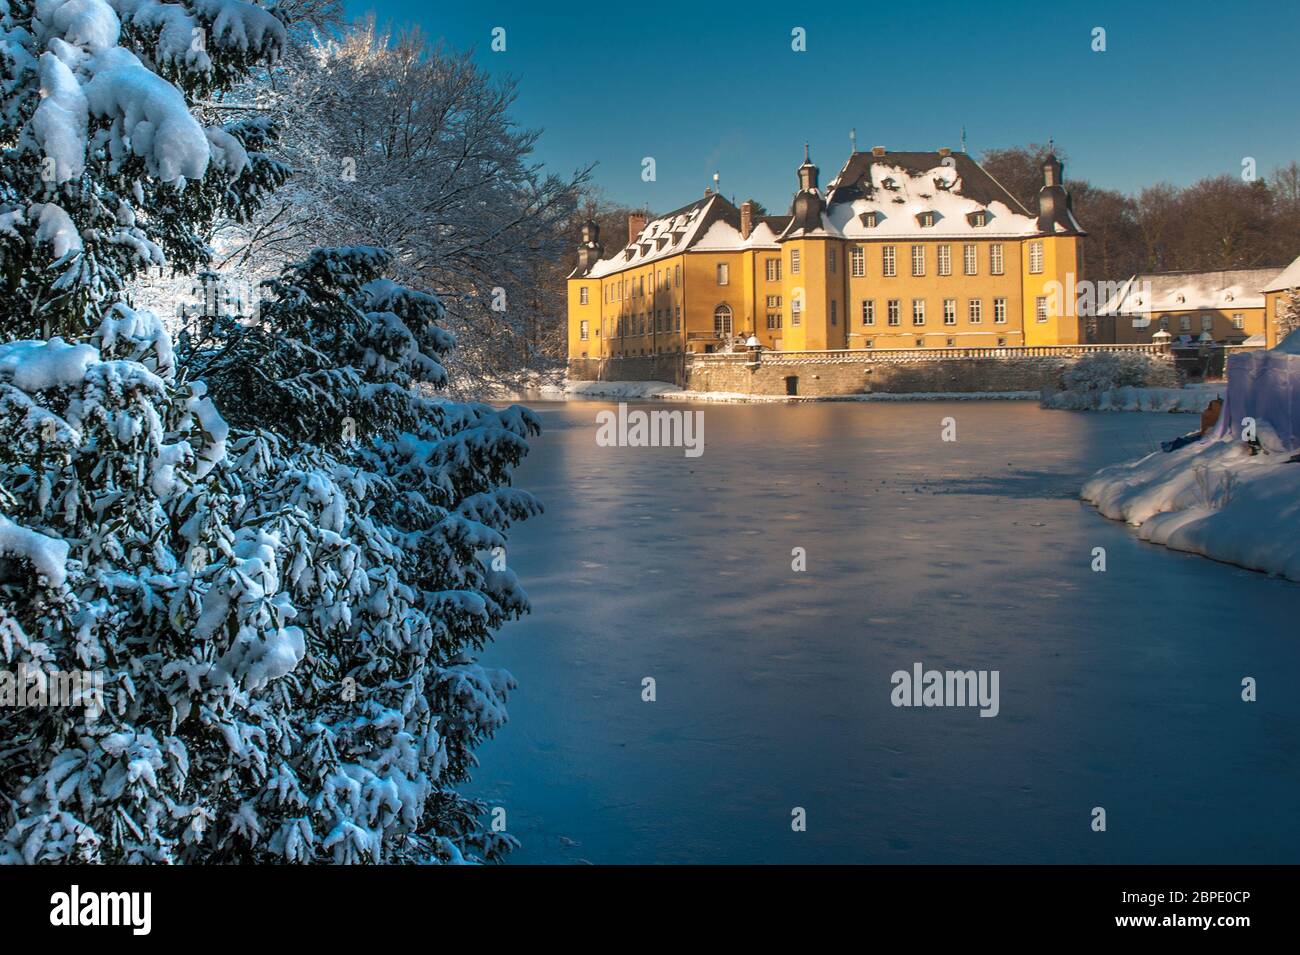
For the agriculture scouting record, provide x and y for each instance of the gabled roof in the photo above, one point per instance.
(1188, 291)
(1285, 280)
(900, 187)
(671, 234)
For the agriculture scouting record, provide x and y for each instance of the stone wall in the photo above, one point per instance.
(669, 368)
(963, 375)
(767, 374)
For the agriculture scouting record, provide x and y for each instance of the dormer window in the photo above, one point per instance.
(871, 219)
(899, 199)
(942, 185)
(888, 183)
(1181, 298)
(925, 219)
(978, 219)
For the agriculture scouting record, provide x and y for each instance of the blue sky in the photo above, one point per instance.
(1183, 90)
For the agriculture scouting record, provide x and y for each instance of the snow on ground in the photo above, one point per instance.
(1212, 497)
(1191, 398)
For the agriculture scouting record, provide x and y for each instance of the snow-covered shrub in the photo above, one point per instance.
(283, 613)
(390, 509)
(104, 171)
(1105, 370)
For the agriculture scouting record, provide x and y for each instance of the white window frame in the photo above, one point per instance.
(894, 312)
(918, 312)
(868, 311)
(857, 262)
(945, 259)
(997, 263)
(970, 264)
(999, 311)
(723, 321)
(918, 260)
(1036, 258)
(724, 273)
(1040, 309)
(975, 311)
(888, 261)
(950, 311)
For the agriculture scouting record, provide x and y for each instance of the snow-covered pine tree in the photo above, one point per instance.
(104, 170)
(394, 505)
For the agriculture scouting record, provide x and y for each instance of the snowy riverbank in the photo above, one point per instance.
(1190, 398)
(1212, 498)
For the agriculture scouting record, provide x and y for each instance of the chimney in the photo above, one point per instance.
(746, 218)
(635, 225)
(877, 150)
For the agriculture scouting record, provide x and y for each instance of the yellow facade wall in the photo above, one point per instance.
(635, 310)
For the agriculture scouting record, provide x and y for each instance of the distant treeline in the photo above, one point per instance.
(1221, 222)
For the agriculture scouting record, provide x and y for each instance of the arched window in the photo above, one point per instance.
(722, 321)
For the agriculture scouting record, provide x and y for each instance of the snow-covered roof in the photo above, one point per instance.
(666, 236)
(903, 191)
(722, 236)
(919, 195)
(1285, 280)
(1188, 291)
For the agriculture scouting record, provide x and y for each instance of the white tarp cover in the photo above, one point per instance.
(1265, 386)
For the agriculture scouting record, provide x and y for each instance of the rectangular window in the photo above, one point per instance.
(1040, 308)
(868, 311)
(677, 276)
(1238, 320)
(773, 302)
(582, 295)
(857, 262)
(895, 311)
(945, 260)
(918, 311)
(583, 330)
(975, 311)
(969, 261)
(830, 259)
(796, 311)
(888, 266)
(950, 311)
(835, 316)
(1207, 323)
(1185, 323)
(773, 270)
(774, 317)
(724, 273)
(1036, 258)
(999, 311)
(918, 260)
(995, 258)
(794, 261)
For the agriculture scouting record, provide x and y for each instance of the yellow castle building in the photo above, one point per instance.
(902, 250)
